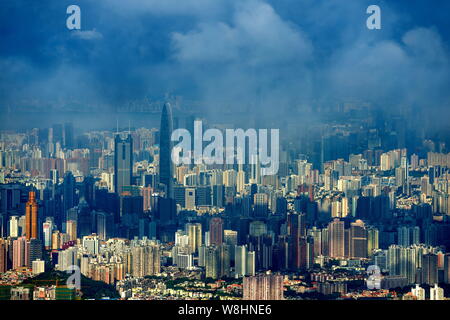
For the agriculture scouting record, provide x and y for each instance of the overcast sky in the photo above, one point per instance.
(239, 51)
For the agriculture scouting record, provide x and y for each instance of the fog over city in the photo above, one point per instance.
(256, 150)
(255, 57)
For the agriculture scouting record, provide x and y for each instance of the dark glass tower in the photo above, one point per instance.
(68, 135)
(165, 145)
(69, 192)
(123, 162)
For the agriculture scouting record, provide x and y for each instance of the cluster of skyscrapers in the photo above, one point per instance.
(114, 204)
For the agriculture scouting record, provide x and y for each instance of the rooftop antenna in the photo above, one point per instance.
(117, 126)
(129, 127)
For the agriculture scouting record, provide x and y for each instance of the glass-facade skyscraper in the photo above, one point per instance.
(165, 144)
(123, 162)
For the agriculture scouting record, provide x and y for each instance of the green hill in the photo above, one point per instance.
(90, 289)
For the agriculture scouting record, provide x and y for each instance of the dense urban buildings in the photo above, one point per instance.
(227, 150)
(263, 287)
(115, 206)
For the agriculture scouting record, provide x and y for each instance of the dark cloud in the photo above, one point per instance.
(239, 54)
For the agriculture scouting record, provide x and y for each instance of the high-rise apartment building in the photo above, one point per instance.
(19, 253)
(336, 237)
(146, 260)
(216, 231)
(430, 269)
(194, 233)
(358, 240)
(263, 287)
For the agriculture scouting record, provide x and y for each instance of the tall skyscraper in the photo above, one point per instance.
(14, 226)
(33, 251)
(123, 162)
(225, 257)
(336, 238)
(430, 269)
(71, 229)
(447, 268)
(165, 150)
(244, 261)
(19, 252)
(166, 212)
(69, 193)
(240, 259)
(372, 240)
(194, 232)
(261, 205)
(3, 255)
(47, 228)
(68, 135)
(358, 240)
(57, 133)
(212, 262)
(297, 243)
(216, 231)
(404, 261)
(31, 212)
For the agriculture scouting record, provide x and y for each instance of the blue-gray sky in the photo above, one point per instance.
(240, 52)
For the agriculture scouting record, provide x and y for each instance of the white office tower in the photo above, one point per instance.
(14, 226)
(418, 292)
(436, 293)
(240, 181)
(181, 251)
(91, 244)
(181, 239)
(38, 266)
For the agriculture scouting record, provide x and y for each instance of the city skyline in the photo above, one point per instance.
(225, 150)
